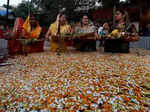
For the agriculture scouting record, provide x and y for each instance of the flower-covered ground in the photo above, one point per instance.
(76, 82)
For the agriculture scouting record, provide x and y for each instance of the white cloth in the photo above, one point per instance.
(100, 29)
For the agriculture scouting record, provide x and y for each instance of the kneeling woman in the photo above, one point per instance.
(121, 45)
(60, 26)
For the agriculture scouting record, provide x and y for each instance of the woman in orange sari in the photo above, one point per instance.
(59, 27)
(31, 28)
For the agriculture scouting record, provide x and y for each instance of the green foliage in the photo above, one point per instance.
(9, 7)
(46, 11)
(50, 9)
(109, 3)
(23, 9)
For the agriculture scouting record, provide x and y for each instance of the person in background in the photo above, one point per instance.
(105, 30)
(2, 31)
(8, 32)
(5, 32)
(146, 32)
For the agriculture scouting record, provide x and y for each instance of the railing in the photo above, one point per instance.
(144, 43)
(3, 47)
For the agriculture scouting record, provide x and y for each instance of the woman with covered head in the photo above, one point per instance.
(127, 33)
(86, 43)
(31, 28)
(60, 26)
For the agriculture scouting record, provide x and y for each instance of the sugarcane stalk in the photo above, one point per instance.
(114, 10)
(59, 45)
(59, 39)
(23, 42)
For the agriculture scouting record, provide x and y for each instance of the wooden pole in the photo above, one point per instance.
(7, 11)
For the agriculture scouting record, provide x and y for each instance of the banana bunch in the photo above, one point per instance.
(115, 33)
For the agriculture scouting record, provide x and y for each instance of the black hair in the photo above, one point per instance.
(62, 14)
(82, 18)
(126, 19)
(84, 14)
(122, 12)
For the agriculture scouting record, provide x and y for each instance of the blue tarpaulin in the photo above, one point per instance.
(3, 12)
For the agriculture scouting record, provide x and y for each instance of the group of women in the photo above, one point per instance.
(60, 26)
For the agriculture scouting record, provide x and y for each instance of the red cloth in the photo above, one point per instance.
(1, 34)
(17, 30)
(14, 47)
(69, 43)
(36, 47)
